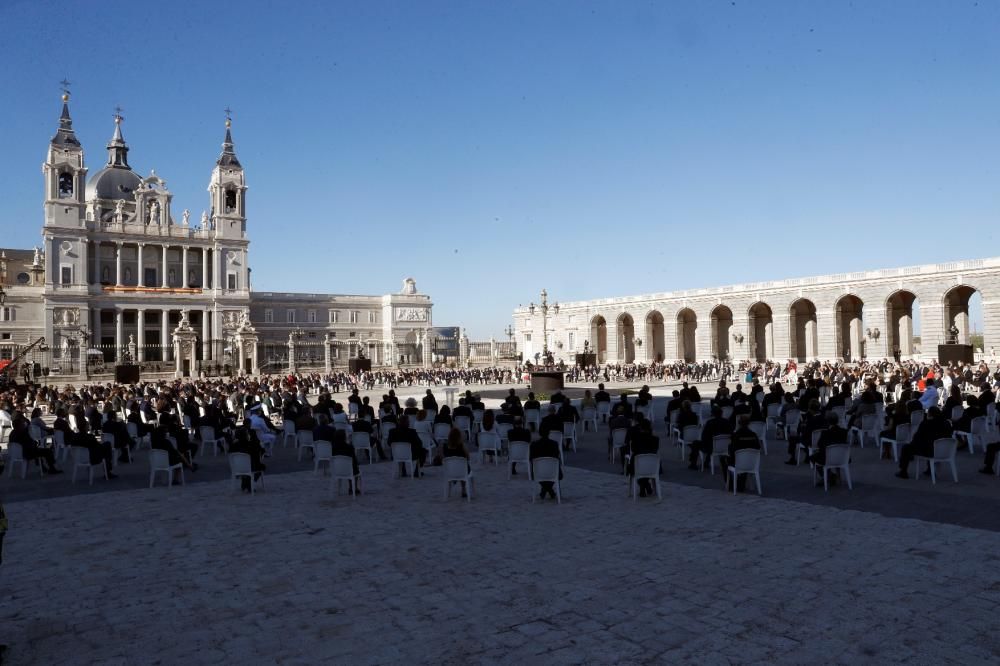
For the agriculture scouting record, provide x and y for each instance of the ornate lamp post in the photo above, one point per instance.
(509, 331)
(545, 320)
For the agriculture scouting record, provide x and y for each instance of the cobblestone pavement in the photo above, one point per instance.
(206, 574)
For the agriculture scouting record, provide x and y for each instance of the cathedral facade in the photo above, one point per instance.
(120, 270)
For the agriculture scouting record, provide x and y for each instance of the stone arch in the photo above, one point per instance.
(850, 328)
(802, 326)
(626, 338)
(687, 328)
(655, 337)
(599, 337)
(760, 321)
(722, 324)
(959, 303)
(899, 317)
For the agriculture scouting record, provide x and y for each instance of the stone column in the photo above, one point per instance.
(184, 266)
(139, 278)
(140, 318)
(463, 349)
(205, 332)
(165, 341)
(163, 281)
(327, 366)
(493, 351)
(253, 357)
(97, 327)
(178, 358)
(97, 263)
(204, 268)
(428, 349)
(291, 354)
(83, 357)
(118, 264)
(119, 330)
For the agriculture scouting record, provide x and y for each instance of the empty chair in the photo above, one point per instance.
(15, 456)
(240, 466)
(518, 453)
(362, 441)
(916, 418)
(589, 415)
(489, 442)
(838, 456)
(603, 411)
(81, 459)
(322, 453)
(441, 431)
(288, 433)
(342, 469)
(644, 466)
(402, 459)
(902, 437)
(303, 441)
(569, 435)
(546, 470)
(456, 469)
(792, 418)
(759, 428)
(210, 441)
(771, 419)
(944, 454)
(746, 461)
(60, 450)
(159, 461)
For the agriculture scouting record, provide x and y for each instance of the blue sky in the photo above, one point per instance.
(489, 149)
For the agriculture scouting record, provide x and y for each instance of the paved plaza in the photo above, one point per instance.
(120, 574)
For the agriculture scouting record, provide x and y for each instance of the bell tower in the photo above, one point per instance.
(64, 174)
(227, 190)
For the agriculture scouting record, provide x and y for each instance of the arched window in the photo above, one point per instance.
(230, 202)
(65, 185)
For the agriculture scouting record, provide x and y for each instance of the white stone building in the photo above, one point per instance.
(118, 271)
(847, 316)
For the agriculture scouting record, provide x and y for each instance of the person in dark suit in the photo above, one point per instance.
(715, 426)
(30, 449)
(341, 447)
(833, 434)
(324, 432)
(245, 441)
(812, 421)
(531, 403)
(964, 424)
(933, 427)
(545, 448)
(624, 405)
(429, 401)
(742, 438)
(642, 441)
(404, 433)
(551, 422)
(120, 432)
(601, 395)
(463, 409)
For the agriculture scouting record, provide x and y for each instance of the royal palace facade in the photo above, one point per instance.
(846, 317)
(118, 280)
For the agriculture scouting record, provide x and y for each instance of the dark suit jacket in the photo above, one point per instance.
(714, 427)
(545, 448)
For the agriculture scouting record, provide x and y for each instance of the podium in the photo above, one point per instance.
(356, 365)
(954, 353)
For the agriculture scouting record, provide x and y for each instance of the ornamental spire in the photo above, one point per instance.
(117, 148)
(228, 156)
(65, 134)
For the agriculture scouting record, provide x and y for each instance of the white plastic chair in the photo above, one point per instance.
(503, 430)
(532, 417)
(402, 457)
(603, 411)
(803, 450)
(322, 452)
(456, 468)
(240, 466)
(304, 440)
(689, 436)
(477, 419)
(944, 453)
(15, 456)
(441, 431)
(771, 418)
(159, 461)
(838, 456)
(869, 427)
(464, 423)
(288, 433)
(557, 437)
(759, 428)
(362, 441)
(489, 441)
(977, 434)
(916, 418)
(720, 447)
(546, 470)
(902, 437)
(569, 434)
(747, 461)
(645, 466)
(352, 411)
(518, 453)
(210, 441)
(617, 442)
(589, 415)
(384, 430)
(956, 412)
(342, 469)
(133, 432)
(81, 458)
(59, 448)
(792, 418)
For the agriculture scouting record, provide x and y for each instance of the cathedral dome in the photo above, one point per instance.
(113, 183)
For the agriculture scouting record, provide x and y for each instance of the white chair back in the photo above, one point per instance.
(746, 460)
(456, 468)
(646, 464)
(720, 444)
(322, 449)
(401, 452)
(916, 418)
(545, 469)
(239, 463)
(361, 440)
(945, 448)
(837, 454)
(159, 459)
(304, 437)
(207, 433)
(342, 466)
(489, 441)
(792, 418)
(758, 428)
(441, 431)
(691, 433)
(816, 434)
(903, 433)
(518, 452)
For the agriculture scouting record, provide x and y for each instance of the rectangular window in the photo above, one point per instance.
(7, 314)
(572, 340)
(527, 337)
(6, 352)
(66, 275)
(354, 316)
(269, 316)
(312, 317)
(290, 316)
(231, 282)
(372, 317)
(334, 316)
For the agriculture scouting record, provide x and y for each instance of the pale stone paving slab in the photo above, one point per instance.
(205, 574)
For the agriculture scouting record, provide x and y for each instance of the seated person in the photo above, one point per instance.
(455, 447)
(545, 448)
(742, 438)
(29, 448)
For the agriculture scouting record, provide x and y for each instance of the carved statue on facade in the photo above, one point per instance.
(119, 211)
(154, 213)
(185, 217)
